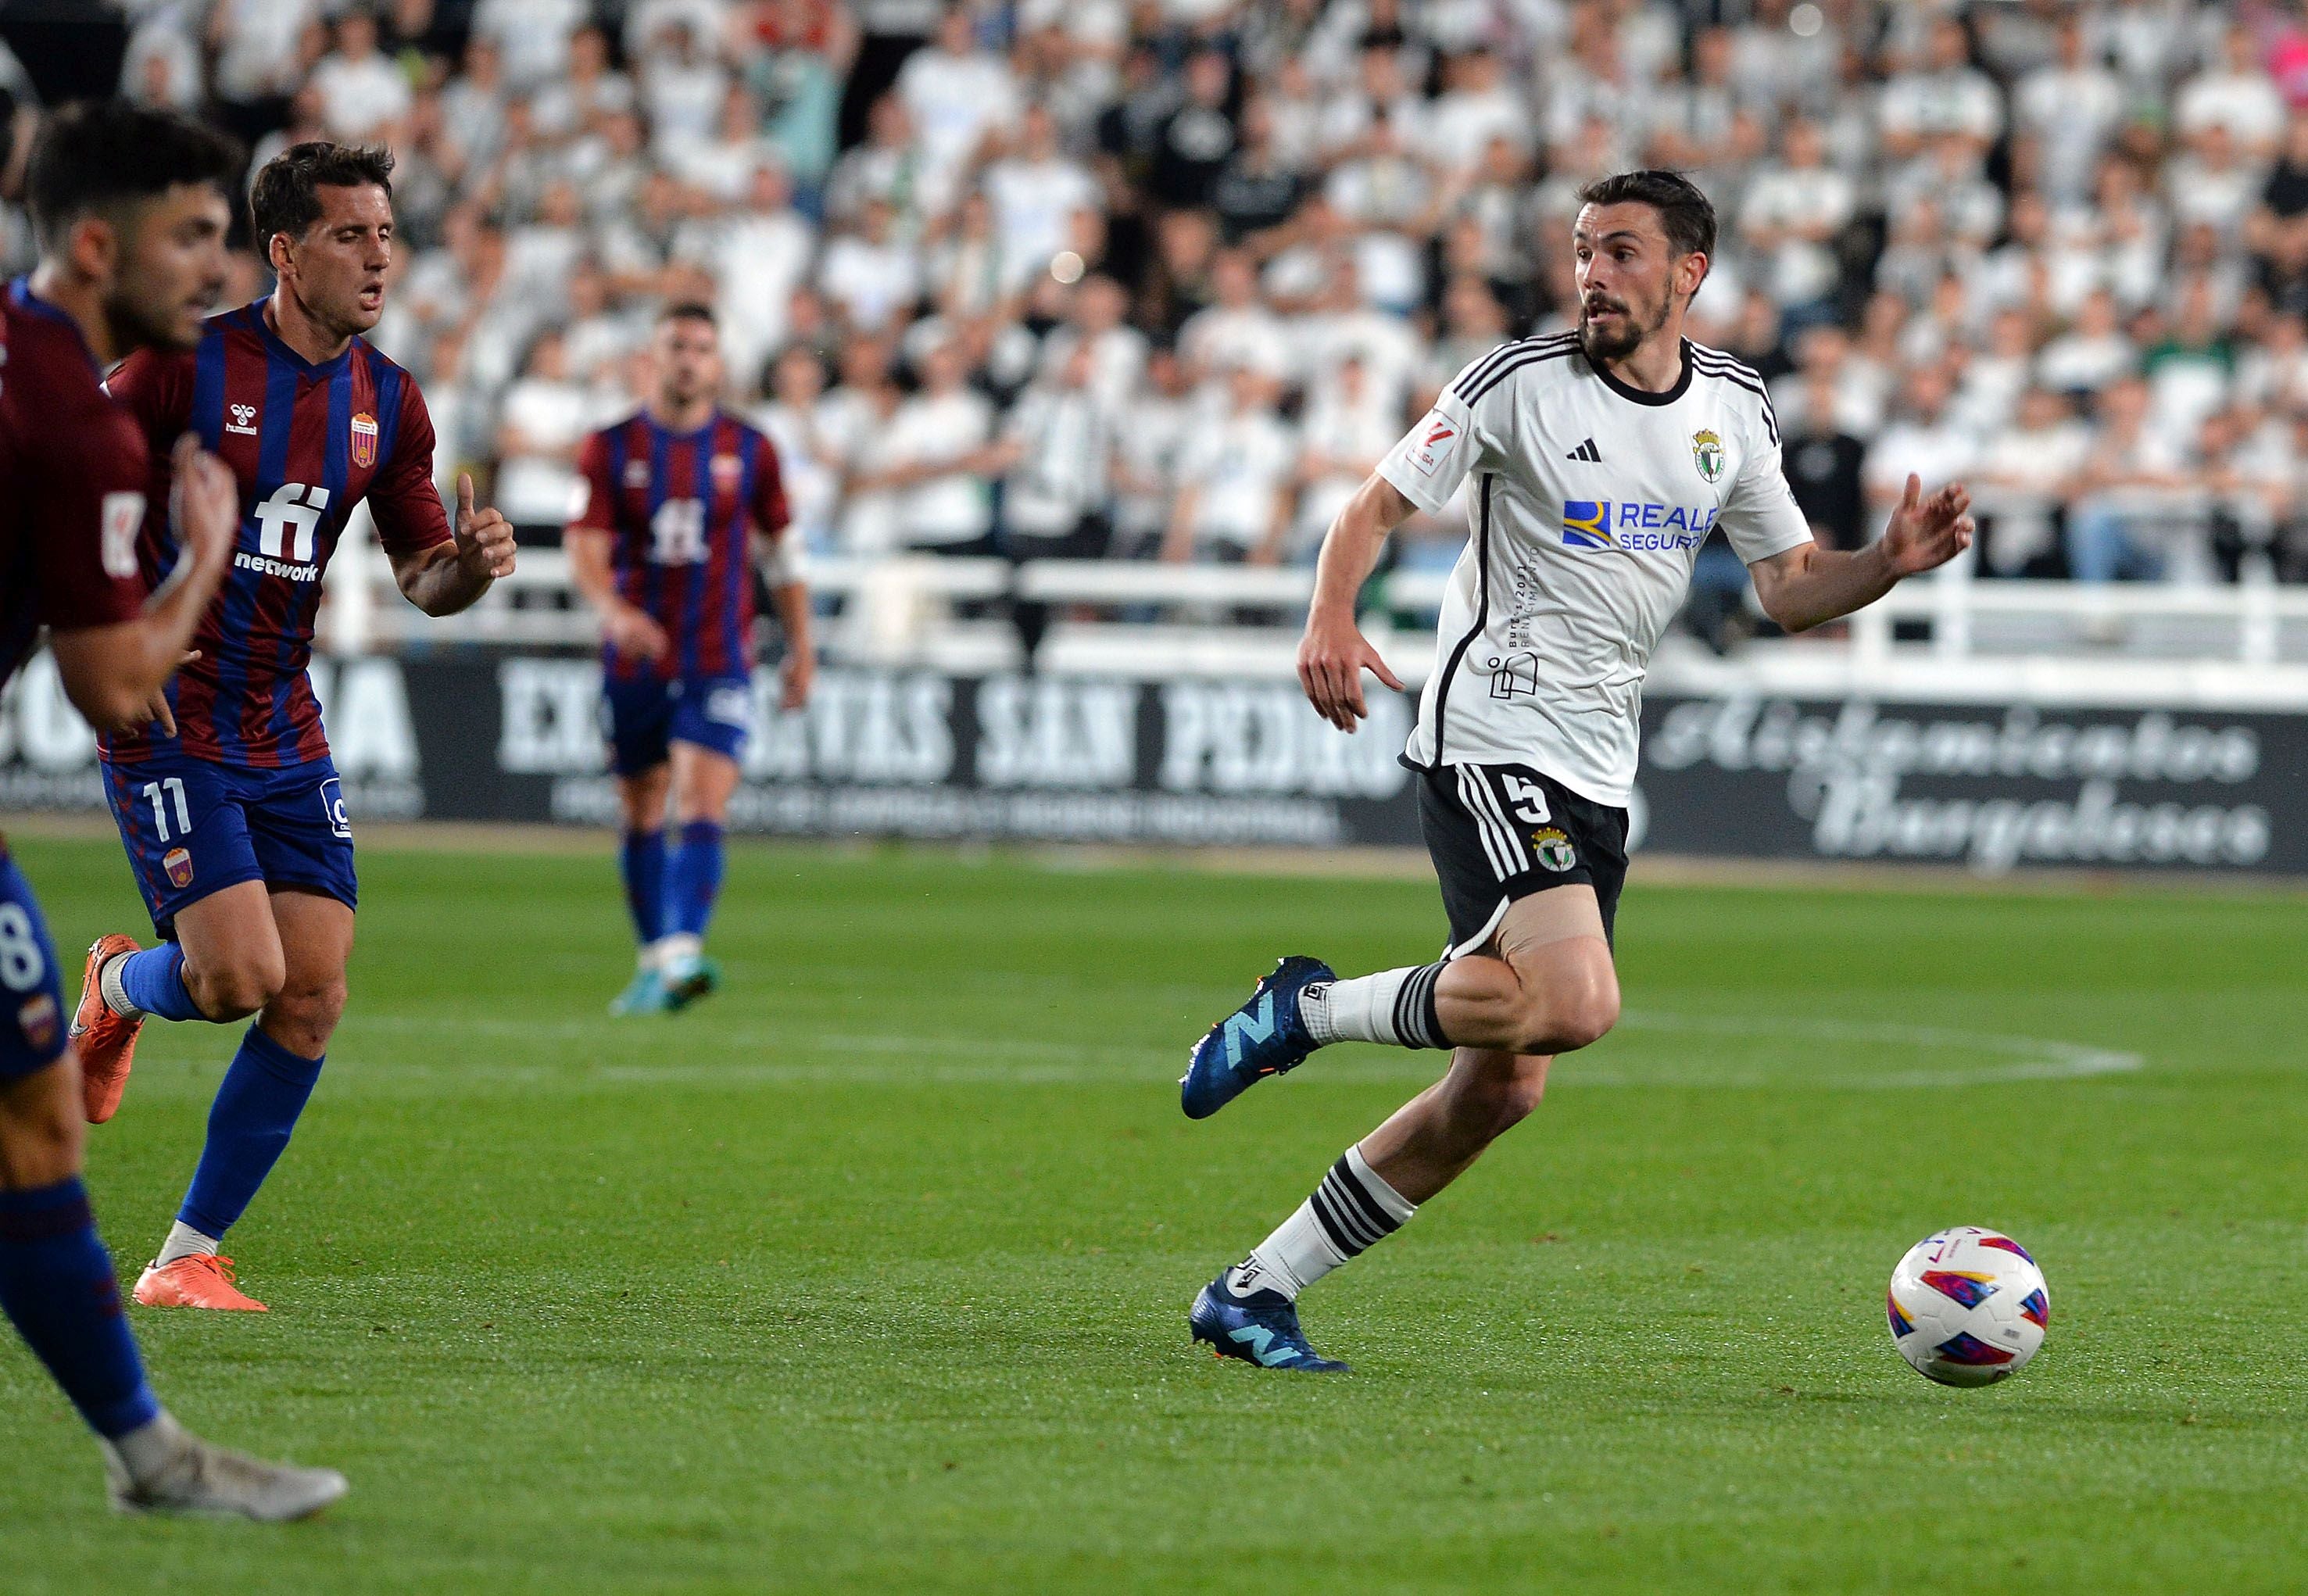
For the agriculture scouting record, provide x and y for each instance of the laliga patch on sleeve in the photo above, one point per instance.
(1433, 441)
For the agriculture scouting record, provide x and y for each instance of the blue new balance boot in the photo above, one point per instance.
(1265, 1037)
(1261, 1328)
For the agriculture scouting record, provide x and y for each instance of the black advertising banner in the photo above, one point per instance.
(514, 736)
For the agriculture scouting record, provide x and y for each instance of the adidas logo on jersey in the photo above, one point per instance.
(1587, 452)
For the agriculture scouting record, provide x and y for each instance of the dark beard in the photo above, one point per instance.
(1599, 347)
(133, 329)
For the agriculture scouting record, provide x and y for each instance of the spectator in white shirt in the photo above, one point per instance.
(534, 36)
(809, 454)
(2091, 354)
(1234, 481)
(1235, 329)
(2113, 529)
(1792, 216)
(1948, 99)
(2237, 97)
(2073, 108)
(1034, 192)
(869, 276)
(760, 253)
(1923, 442)
(937, 450)
(2024, 471)
(1477, 107)
(543, 422)
(1347, 429)
(956, 92)
(259, 48)
(363, 94)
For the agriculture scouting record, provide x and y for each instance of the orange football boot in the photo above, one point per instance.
(106, 1042)
(202, 1280)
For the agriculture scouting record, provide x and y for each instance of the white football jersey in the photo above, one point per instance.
(1589, 502)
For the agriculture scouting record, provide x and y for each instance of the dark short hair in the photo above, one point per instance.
(96, 155)
(287, 199)
(1686, 214)
(689, 310)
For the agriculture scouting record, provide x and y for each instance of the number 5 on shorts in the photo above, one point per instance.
(1527, 798)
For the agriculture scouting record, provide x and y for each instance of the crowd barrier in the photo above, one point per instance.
(1737, 769)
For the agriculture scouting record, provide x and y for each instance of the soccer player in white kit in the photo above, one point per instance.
(1600, 460)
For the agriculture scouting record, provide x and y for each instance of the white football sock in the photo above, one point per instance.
(1395, 1007)
(184, 1242)
(678, 948)
(149, 1449)
(1349, 1211)
(115, 994)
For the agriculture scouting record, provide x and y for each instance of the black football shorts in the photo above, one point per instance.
(1498, 833)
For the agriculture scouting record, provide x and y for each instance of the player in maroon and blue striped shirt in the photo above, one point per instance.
(131, 207)
(232, 814)
(682, 500)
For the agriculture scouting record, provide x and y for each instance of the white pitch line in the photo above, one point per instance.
(863, 1058)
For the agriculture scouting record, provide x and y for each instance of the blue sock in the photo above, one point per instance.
(249, 1124)
(56, 1283)
(693, 878)
(642, 863)
(154, 980)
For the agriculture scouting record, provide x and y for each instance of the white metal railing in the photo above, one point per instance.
(1195, 619)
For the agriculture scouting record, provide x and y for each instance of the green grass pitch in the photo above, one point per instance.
(871, 1272)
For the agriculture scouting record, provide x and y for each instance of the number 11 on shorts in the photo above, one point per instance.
(173, 787)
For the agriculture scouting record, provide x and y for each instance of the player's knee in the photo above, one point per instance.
(239, 986)
(42, 1127)
(1568, 1015)
(311, 1008)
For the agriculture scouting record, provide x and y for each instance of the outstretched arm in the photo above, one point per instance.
(1807, 585)
(448, 577)
(1334, 653)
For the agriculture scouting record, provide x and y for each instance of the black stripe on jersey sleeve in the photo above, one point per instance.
(1468, 387)
(1532, 358)
(1740, 376)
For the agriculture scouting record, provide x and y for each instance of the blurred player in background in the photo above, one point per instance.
(683, 502)
(230, 806)
(131, 209)
(1601, 461)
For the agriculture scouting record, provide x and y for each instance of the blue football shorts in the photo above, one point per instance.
(33, 1030)
(192, 827)
(644, 718)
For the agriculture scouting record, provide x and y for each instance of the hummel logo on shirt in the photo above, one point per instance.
(1587, 452)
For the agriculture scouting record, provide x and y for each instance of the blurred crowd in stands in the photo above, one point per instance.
(1163, 278)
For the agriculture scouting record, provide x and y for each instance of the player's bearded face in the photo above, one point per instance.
(171, 270)
(1625, 280)
(688, 361)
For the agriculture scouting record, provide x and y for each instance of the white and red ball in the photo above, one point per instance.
(1969, 1307)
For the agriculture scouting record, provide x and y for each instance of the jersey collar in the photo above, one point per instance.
(1637, 396)
(279, 345)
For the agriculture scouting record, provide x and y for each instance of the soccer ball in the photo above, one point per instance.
(1969, 1307)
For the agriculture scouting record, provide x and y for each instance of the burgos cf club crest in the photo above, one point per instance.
(364, 441)
(1707, 452)
(1552, 845)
